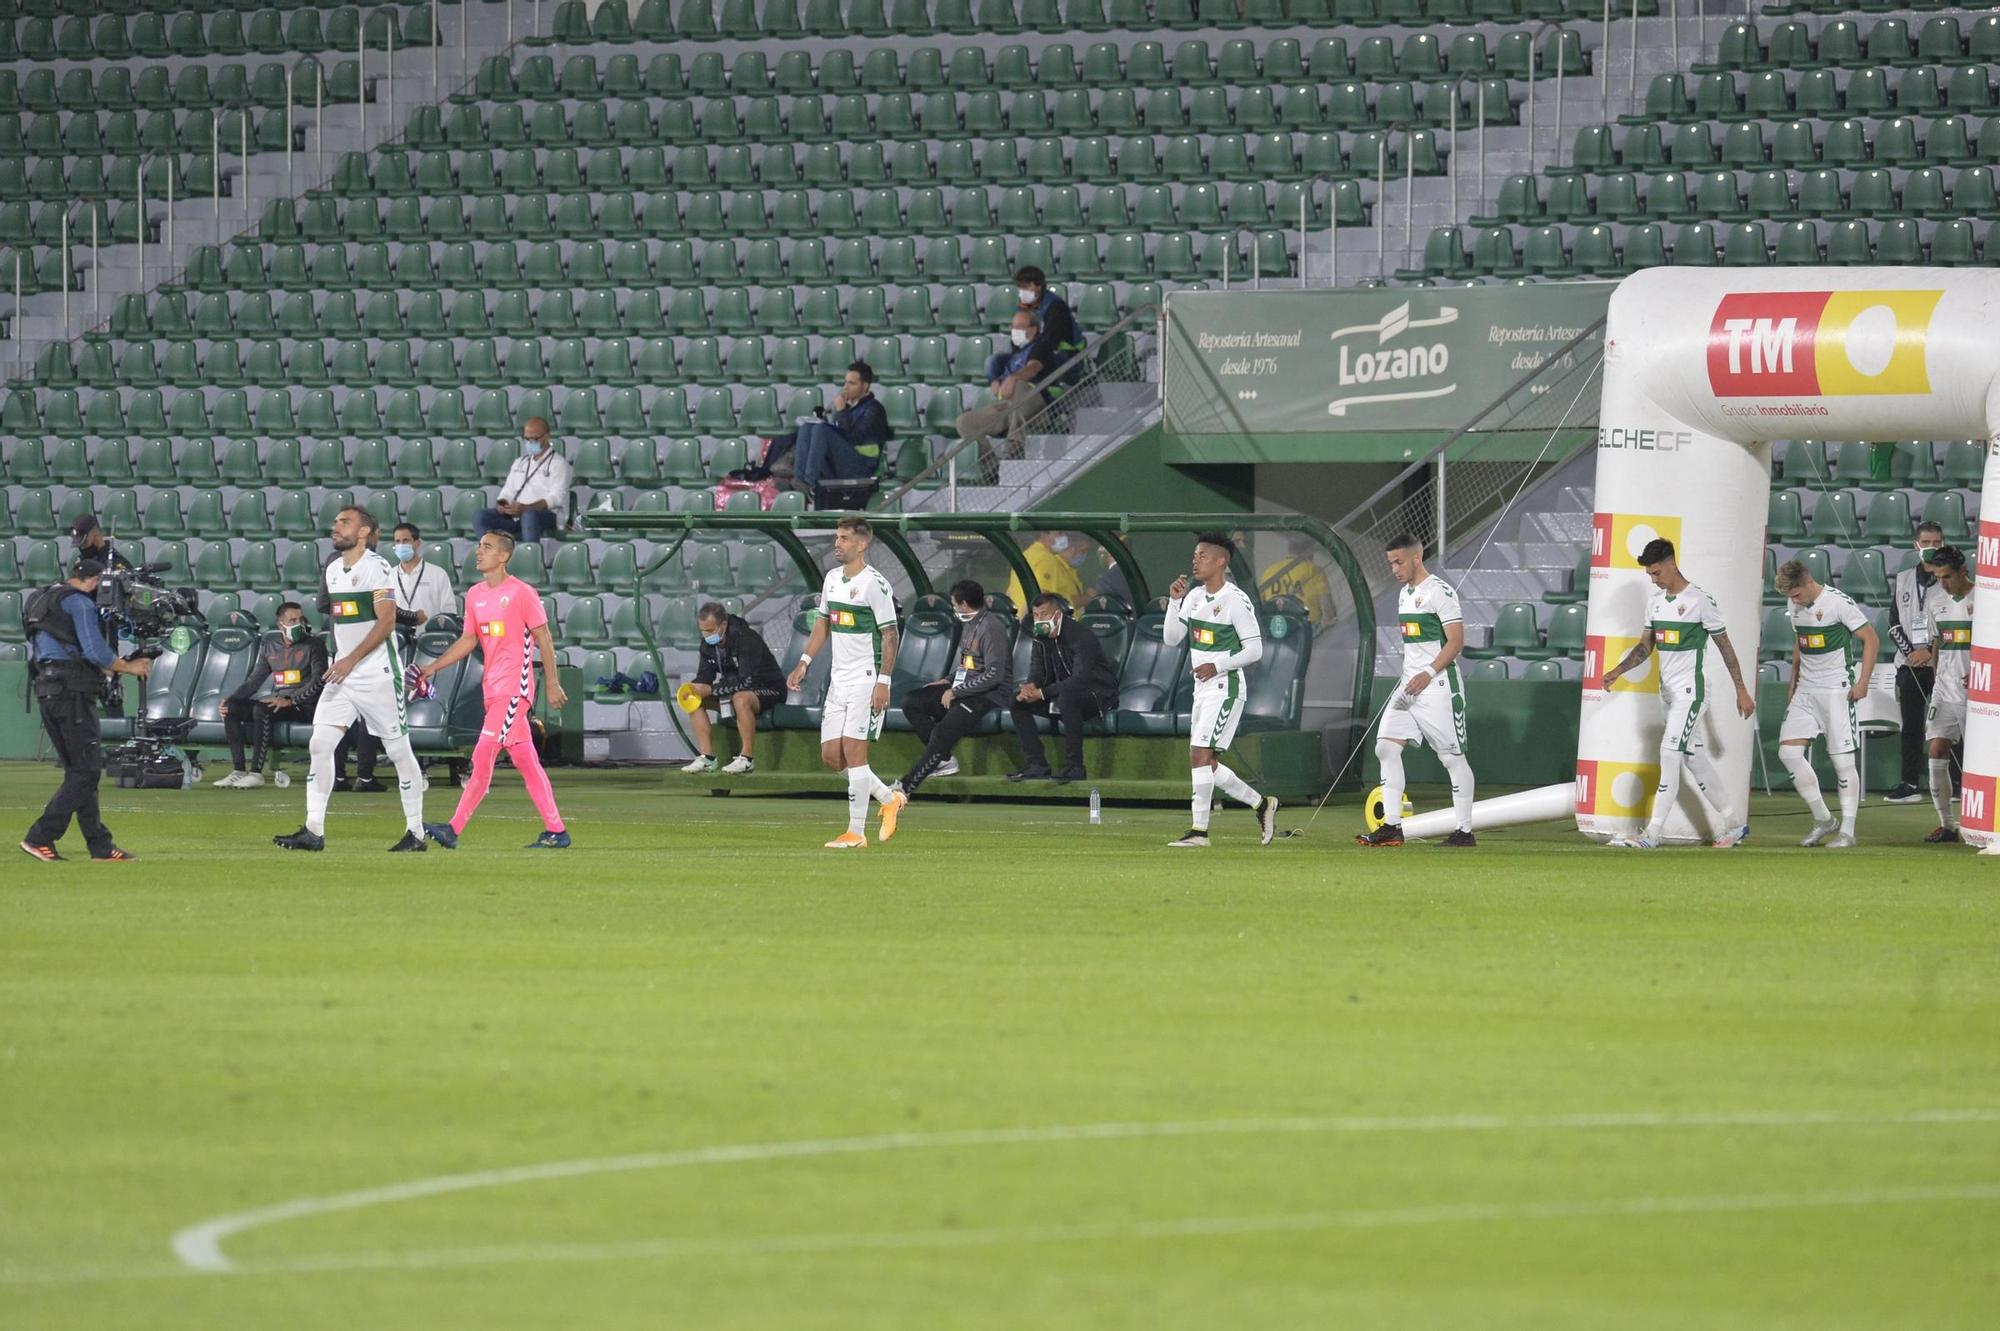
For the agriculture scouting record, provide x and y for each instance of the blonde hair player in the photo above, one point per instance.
(1216, 618)
(1429, 706)
(1824, 689)
(1681, 619)
(857, 612)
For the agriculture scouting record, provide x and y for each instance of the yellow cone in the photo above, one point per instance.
(1372, 810)
(690, 701)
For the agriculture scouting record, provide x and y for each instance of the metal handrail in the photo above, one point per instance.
(1088, 356)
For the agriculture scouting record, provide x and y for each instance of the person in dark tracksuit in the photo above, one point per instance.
(71, 662)
(1069, 682)
(294, 661)
(982, 678)
(1913, 683)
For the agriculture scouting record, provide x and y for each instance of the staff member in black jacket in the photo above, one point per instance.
(945, 711)
(737, 676)
(295, 663)
(1913, 682)
(1069, 682)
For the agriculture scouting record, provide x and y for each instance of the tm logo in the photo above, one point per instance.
(1820, 343)
(1989, 549)
(1980, 675)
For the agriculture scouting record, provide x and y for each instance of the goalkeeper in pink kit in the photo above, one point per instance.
(501, 614)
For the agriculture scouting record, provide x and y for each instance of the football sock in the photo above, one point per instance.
(1235, 786)
(876, 790)
(1708, 783)
(859, 788)
(409, 781)
(1389, 753)
(477, 781)
(1848, 773)
(1204, 796)
(533, 775)
(1669, 792)
(1806, 781)
(319, 779)
(1460, 771)
(1941, 790)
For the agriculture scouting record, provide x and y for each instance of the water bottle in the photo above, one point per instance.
(1096, 808)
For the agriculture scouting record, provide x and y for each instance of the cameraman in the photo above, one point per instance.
(294, 661)
(71, 665)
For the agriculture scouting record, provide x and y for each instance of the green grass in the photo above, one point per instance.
(222, 1027)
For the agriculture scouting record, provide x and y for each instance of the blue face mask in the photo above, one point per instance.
(405, 553)
(534, 446)
(712, 639)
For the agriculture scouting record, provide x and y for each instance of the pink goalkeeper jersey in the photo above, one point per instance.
(504, 617)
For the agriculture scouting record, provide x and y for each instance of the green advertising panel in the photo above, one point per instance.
(1276, 369)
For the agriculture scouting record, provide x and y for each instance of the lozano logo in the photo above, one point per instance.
(1820, 343)
(1975, 802)
(1368, 359)
(1980, 675)
(1989, 549)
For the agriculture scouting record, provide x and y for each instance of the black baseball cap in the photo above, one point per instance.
(87, 568)
(84, 525)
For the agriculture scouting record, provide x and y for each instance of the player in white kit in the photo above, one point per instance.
(364, 680)
(1825, 687)
(1946, 643)
(857, 611)
(1681, 620)
(1429, 703)
(1219, 623)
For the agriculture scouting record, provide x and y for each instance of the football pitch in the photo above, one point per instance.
(1007, 1071)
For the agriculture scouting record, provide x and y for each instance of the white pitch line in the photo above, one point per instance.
(1114, 1231)
(199, 1246)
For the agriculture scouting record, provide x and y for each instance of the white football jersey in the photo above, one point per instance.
(1424, 610)
(1682, 624)
(857, 610)
(351, 594)
(1821, 631)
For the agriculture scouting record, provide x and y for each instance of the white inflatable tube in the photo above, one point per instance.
(1523, 806)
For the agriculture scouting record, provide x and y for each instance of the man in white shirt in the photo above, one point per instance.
(536, 494)
(423, 589)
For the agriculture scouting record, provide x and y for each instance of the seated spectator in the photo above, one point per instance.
(737, 677)
(423, 589)
(1054, 558)
(1070, 681)
(91, 543)
(536, 493)
(947, 710)
(1060, 336)
(1010, 377)
(293, 659)
(846, 446)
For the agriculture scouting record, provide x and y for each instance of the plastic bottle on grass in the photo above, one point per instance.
(1096, 808)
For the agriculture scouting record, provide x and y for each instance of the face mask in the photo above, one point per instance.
(966, 616)
(534, 446)
(294, 632)
(405, 553)
(1059, 544)
(1018, 336)
(1927, 554)
(712, 639)
(1045, 628)
(1027, 297)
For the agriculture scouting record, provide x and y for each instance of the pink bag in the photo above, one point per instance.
(766, 490)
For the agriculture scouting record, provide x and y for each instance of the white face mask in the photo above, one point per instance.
(1059, 544)
(1018, 336)
(1027, 297)
(966, 616)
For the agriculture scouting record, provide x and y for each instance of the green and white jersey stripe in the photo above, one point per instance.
(353, 601)
(1423, 610)
(1682, 623)
(1823, 632)
(1218, 624)
(857, 609)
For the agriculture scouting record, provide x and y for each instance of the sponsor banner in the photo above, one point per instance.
(1982, 680)
(1617, 538)
(1606, 789)
(1809, 344)
(1975, 803)
(1988, 551)
(1367, 361)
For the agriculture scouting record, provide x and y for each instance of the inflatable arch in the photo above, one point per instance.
(1702, 370)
